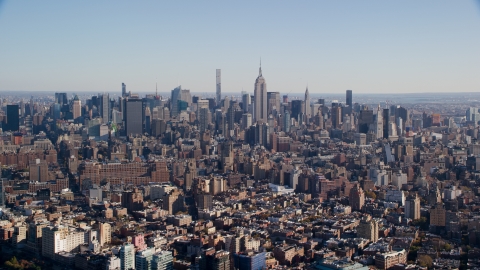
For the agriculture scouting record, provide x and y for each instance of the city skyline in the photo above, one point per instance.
(370, 48)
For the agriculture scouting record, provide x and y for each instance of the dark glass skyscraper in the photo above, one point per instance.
(134, 117)
(12, 118)
(349, 98)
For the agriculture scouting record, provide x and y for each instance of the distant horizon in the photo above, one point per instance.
(369, 47)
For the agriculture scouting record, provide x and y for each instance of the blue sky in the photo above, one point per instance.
(366, 46)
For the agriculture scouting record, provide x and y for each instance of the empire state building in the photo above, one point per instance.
(260, 98)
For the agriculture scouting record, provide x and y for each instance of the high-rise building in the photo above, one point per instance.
(124, 90)
(349, 98)
(246, 100)
(412, 207)
(260, 93)
(143, 259)
(386, 118)
(127, 257)
(2, 192)
(162, 260)
(250, 260)
(437, 215)
(104, 107)
(77, 107)
(60, 238)
(297, 108)
(219, 86)
(204, 118)
(286, 121)
(215, 260)
(307, 110)
(379, 123)
(357, 198)
(368, 229)
(61, 98)
(38, 170)
(246, 120)
(273, 103)
(105, 233)
(13, 118)
(134, 115)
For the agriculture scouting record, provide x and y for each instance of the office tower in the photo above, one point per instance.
(104, 107)
(250, 260)
(286, 121)
(260, 93)
(174, 101)
(143, 259)
(349, 98)
(61, 98)
(412, 207)
(246, 120)
(356, 198)
(124, 90)
(273, 104)
(77, 107)
(148, 119)
(261, 130)
(336, 115)
(364, 120)
(134, 115)
(217, 185)
(386, 119)
(368, 229)
(38, 170)
(246, 100)
(13, 118)
(162, 260)
(204, 118)
(307, 110)
(219, 86)
(379, 123)
(127, 257)
(297, 108)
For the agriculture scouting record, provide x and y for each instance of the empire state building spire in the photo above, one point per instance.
(260, 69)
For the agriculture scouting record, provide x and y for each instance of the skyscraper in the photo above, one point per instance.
(260, 98)
(104, 107)
(77, 107)
(307, 110)
(412, 207)
(12, 118)
(245, 101)
(124, 90)
(127, 257)
(134, 115)
(219, 86)
(357, 198)
(349, 98)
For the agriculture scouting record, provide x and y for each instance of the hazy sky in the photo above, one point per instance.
(366, 46)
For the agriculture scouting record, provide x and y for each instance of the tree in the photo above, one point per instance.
(371, 194)
(425, 261)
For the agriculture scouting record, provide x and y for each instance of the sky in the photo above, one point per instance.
(329, 46)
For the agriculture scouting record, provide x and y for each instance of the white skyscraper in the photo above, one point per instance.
(260, 98)
(307, 109)
(219, 86)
